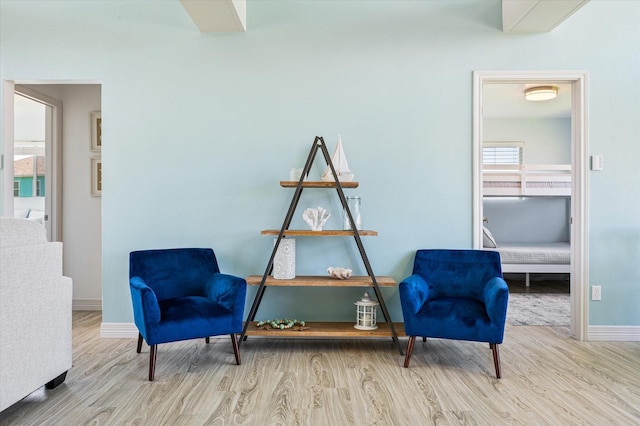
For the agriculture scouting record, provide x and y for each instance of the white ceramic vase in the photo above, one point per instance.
(284, 262)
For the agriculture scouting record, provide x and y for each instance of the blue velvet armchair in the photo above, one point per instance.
(455, 294)
(180, 294)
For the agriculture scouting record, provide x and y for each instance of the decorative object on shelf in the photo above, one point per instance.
(339, 161)
(295, 174)
(366, 313)
(339, 273)
(283, 324)
(316, 217)
(353, 203)
(284, 262)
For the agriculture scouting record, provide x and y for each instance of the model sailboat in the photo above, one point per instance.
(339, 161)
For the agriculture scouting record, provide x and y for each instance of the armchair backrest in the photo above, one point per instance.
(174, 272)
(457, 273)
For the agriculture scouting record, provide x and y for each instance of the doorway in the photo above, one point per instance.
(577, 81)
(35, 146)
(75, 209)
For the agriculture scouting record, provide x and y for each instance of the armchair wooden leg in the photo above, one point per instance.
(236, 349)
(152, 362)
(407, 358)
(424, 339)
(139, 343)
(496, 358)
(206, 340)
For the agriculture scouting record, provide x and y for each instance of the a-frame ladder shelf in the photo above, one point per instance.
(327, 329)
(321, 281)
(316, 184)
(325, 233)
(321, 329)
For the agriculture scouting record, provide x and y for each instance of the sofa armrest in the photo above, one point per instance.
(496, 298)
(35, 319)
(414, 292)
(146, 310)
(227, 291)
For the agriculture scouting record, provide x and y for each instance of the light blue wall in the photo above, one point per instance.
(546, 140)
(234, 112)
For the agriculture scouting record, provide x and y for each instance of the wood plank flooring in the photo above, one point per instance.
(548, 379)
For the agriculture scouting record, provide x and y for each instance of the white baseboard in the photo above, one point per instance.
(603, 333)
(118, 330)
(86, 304)
(126, 330)
(614, 333)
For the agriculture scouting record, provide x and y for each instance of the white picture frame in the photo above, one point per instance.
(96, 176)
(96, 131)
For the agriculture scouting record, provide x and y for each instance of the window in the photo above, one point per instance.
(16, 188)
(503, 153)
(39, 191)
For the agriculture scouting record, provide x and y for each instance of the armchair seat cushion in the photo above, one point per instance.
(453, 318)
(191, 317)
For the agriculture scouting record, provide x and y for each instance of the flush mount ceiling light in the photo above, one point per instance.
(541, 93)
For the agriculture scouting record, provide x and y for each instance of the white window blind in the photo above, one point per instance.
(504, 153)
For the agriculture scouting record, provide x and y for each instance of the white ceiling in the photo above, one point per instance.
(518, 16)
(536, 16)
(507, 101)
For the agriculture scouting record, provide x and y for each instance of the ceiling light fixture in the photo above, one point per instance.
(541, 93)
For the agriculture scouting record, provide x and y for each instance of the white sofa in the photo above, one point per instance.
(35, 311)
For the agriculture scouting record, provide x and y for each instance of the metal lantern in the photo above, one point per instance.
(366, 313)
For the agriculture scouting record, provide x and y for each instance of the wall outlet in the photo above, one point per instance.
(596, 292)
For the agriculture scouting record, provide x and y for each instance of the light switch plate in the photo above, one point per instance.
(597, 162)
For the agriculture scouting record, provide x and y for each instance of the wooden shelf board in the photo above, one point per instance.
(321, 281)
(327, 233)
(317, 184)
(327, 329)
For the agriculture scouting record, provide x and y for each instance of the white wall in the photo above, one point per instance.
(199, 128)
(81, 213)
(546, 140)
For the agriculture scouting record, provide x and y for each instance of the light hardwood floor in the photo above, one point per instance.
(548, 379)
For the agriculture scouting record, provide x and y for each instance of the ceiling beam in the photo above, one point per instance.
(536, 16)
(217, 15)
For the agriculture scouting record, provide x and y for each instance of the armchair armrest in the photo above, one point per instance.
(146, 309)
(414, 291)
(496, 297)
(227, 291)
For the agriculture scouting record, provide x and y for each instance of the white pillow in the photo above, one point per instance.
(487, 239)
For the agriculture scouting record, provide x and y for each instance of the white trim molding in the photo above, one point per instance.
(86, 305)
(614, 333)
(118, 330)
(579, 177)
(126, 330)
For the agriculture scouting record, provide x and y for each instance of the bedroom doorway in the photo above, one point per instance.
(571, 199)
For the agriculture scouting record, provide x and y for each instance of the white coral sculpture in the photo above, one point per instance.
(339, 273)
(316, 218)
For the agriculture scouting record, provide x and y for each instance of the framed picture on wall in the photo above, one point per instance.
(96, 176)
(96, 131)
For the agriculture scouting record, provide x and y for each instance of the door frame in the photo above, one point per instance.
(579, 177)
(53, 155)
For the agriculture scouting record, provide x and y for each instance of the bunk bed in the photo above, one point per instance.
(528, 181)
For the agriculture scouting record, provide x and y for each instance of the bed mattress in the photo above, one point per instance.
(547, 253)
